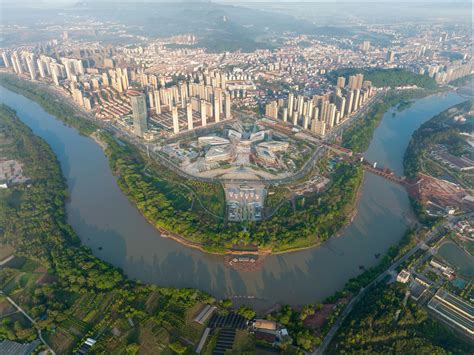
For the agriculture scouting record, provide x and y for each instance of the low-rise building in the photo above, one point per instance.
(269, 331)
(274, 146)
(218, 153)
(445, 269)
(403, 276)
(212, 140)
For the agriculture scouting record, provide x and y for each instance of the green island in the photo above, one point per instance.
(165, 198)
(160, 195)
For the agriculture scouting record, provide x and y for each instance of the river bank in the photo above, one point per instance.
(78, 294)
(112, 227)
(89, 127)
(351, 216)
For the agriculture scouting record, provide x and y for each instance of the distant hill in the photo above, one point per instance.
(243, 28)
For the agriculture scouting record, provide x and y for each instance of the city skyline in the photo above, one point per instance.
(236, 177)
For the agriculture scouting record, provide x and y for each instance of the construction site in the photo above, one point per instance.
(441, 197)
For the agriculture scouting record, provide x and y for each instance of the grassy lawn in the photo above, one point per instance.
(5, 306)
(152, 302)
(297, 244)
(75, 326)
(30, 266)
(6, 278)
(191, 330)
(20, 282)
(275, 195)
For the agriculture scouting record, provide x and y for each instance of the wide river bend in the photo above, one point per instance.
(116, 232)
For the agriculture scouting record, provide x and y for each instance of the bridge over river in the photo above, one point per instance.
(370, 166)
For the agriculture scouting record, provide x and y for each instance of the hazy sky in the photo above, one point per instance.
(229, 1)
(67, 3)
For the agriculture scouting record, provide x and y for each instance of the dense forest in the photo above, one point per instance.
(382, 323)
(386, 77)
(84, 295)
(359, 135)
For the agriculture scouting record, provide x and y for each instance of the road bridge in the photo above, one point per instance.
(385, 173)
(368, 165)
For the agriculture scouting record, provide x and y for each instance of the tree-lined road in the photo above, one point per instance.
(22, 311)
(332, 332)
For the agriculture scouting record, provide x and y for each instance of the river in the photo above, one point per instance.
(116, 232)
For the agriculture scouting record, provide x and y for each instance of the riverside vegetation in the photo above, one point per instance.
(163, 314)
(440, 129)
(383, 324)
(69, 292)
(359, 135)
(160, 195)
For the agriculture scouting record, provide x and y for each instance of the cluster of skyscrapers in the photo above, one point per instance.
(192, 103)
(322, 112)
(42, 66)
(182, 107)
(445, 74)
(24, 62)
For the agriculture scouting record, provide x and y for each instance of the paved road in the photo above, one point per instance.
(171, 165)
(40, 336)
(332, 332)
(319, 151)
(336, 131)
